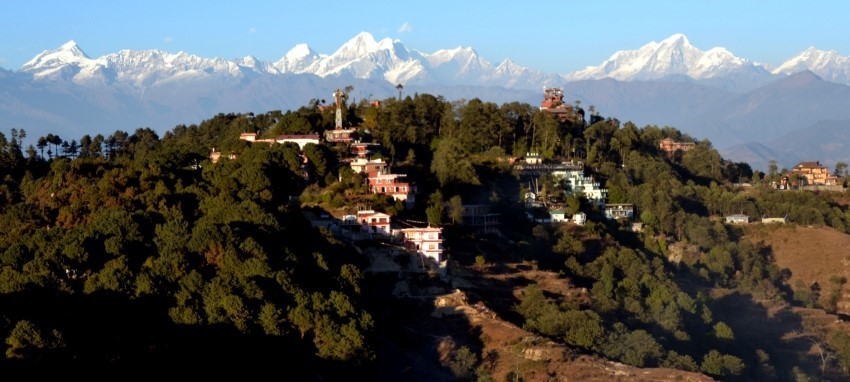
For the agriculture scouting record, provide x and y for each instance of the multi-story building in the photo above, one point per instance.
(364, 149)
(480, 217)
(374, 222)
(377, 166)
(553, 102)
(620, 211)
(814, 174)
(426, 241)
(395, 185)
(575, 182)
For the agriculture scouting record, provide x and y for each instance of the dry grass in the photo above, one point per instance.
(812, 254)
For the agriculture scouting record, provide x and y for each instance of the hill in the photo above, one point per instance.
(812, 254)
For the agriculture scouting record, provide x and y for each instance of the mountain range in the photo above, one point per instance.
(745, 108)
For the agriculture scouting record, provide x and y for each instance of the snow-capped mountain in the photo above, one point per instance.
(297, 59)
(712, 94)
(828, 65)
(672, 56)
(137, 68)
(361, 57)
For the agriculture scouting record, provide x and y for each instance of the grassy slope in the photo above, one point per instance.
(812, 254)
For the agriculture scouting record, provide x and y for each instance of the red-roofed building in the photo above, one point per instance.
(375, 222)
(553, 102)
(364, 150)
(395, 185)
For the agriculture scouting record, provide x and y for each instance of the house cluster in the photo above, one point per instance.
(338, 135)
(382, 182)
(371, 224)
(573, 180)
(806, 174)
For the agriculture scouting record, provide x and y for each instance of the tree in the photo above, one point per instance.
(42, 142)
(451, 167)
(399, 87)
(73, 148)
(463, 363)
(721, 365)
(456, 209)
(840, 342)
(480, 262)
(772, 169)
(435, 209)
(723, 332)
(584, 328)
(841, 169)
(27, 341)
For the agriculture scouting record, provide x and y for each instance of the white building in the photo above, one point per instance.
(620, 211)
(366, 166)
(426, 241)
(374, 222)
(558, 216)
(580, 218)
(300, 140)
(576, 182)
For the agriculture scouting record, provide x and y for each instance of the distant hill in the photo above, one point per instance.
(772, 111)
(826, 141)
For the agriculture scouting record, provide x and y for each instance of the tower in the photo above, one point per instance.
(338, 98)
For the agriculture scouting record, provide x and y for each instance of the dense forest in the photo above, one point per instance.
(135, 251)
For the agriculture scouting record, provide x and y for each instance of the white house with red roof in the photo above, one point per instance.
(374, 222)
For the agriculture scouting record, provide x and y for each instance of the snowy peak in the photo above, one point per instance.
(362, 44)
(672, 56)
(364, 57)
(297, 59)
(829, 65)
(298, 52)
(460, 54)
(677, 39)
(68, 53)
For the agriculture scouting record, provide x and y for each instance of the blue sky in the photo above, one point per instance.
(553, 36)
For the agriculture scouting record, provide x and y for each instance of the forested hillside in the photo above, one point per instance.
(136, 251)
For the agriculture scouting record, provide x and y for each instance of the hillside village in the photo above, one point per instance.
(416, 238)
(569, 176)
